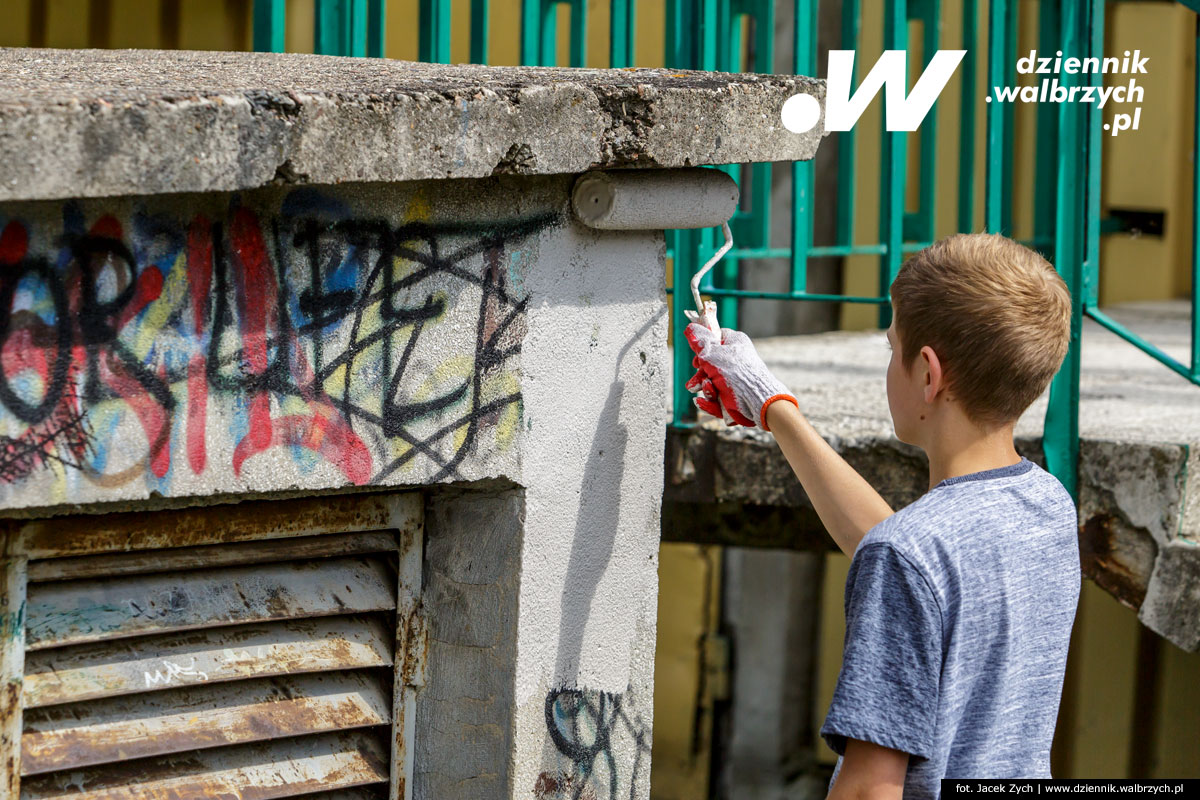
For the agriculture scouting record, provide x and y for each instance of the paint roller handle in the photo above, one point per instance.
(732, 377)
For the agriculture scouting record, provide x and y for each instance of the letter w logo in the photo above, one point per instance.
(902, 113)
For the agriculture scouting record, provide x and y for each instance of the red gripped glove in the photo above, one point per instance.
(731, 376)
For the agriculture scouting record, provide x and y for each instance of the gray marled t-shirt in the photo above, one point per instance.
(958, 615)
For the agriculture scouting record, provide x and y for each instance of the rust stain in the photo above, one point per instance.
(254, 519)
(343, 761)
(208, 556)
(560, 786)
(416, 646)
(1100, 560)
(10, 726)
(284, 714)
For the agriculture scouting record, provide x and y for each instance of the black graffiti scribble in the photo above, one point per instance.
(298, 362)
(582, 725)
(65, 437)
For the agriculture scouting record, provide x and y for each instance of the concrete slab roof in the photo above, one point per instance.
(89, 123)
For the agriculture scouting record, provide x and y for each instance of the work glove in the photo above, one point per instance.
(731, 377)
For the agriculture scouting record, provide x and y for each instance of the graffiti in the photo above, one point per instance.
(588, 728)
(63, 436)
(174, 671)
(141, 346)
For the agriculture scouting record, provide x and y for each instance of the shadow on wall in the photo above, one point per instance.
(585, 725)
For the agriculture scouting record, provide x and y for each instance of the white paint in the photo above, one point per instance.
(592, 468)
(592, 459)
(173, 672)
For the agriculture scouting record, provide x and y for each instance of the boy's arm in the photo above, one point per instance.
(870, 772)
(847, 505)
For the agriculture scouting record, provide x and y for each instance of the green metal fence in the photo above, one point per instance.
(738, 35)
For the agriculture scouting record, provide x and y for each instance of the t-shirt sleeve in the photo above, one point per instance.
(887, 691)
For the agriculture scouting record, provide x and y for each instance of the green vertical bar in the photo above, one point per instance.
(891, 212)
(479, 31)
(376, 13)
(1093, 118)
(707, 57)
(531, 31)
(578, 32)
(548, 44)
(684, 267)
(993, 206)
(356, 27)
(1196, 213)
(1010, 49)
(620, 45)
(342, 29)
(1046, 140)
(1060, 439)
(269, 27)
(919, 226)
(678, 55)
(326, 28)
(804, 58)
(760, 182)
(434, 37)
(730, 58)
(966, 138)
(847, 156)
(802, 192)
(673, 57)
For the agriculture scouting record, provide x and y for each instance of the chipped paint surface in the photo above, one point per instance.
(112, 565)
(264, 669)
(75, 612)
(74, 736)
(242, 522)
(218, 654)
(281, 768)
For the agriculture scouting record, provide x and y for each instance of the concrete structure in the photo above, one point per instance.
(1139, 474)
(240, 278)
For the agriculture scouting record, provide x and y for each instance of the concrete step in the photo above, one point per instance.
(1139, 473)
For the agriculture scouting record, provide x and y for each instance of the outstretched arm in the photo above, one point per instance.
(847, 505)
(733, 378)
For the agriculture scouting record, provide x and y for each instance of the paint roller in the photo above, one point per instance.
(662, 199)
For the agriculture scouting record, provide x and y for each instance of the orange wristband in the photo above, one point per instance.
(767, 404)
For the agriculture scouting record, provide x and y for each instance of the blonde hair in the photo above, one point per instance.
(996, 313)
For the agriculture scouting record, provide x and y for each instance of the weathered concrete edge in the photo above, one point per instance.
(1139, 526)
(250, 138)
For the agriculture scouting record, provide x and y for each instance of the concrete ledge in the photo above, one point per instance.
(95, 123)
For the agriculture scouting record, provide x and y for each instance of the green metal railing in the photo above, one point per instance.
(738, 36)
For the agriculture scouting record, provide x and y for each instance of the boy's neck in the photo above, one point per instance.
(963, 450)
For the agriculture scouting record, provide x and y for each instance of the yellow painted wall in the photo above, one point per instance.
(832, 634)
(688, 611)
(1150, 169)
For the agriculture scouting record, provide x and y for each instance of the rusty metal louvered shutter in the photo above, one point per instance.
(253, 669)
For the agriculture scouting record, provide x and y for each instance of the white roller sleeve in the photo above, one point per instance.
(654, 199)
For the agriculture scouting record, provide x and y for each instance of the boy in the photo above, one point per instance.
(958, 607)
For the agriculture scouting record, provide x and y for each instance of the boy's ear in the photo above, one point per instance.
(934, 378)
